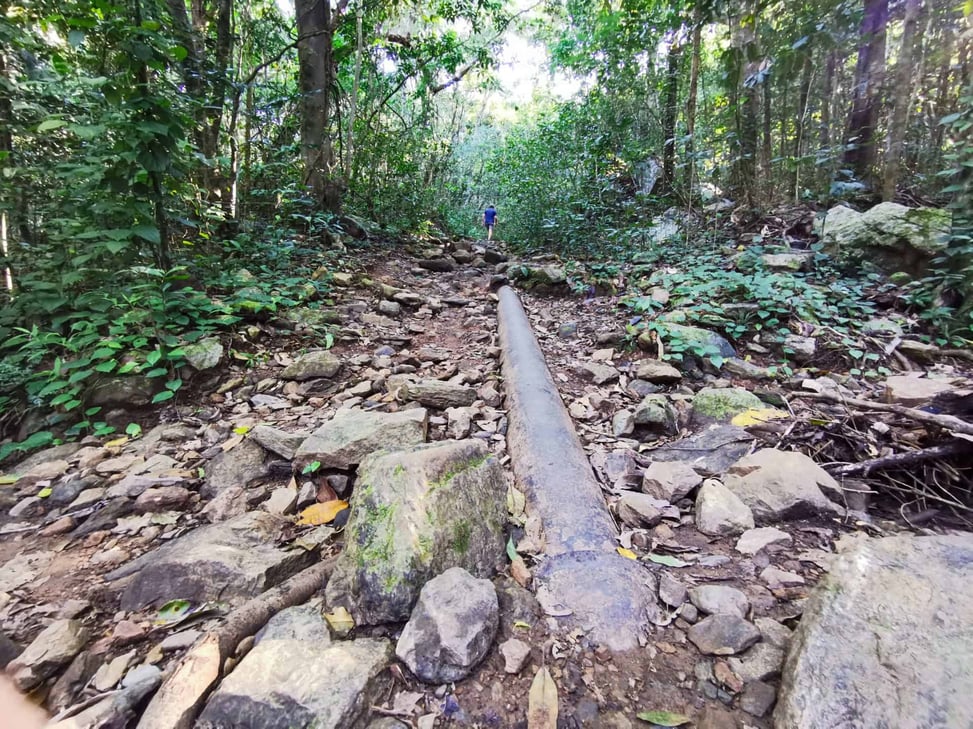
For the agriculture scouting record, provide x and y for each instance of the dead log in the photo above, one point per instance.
(900, 460)
(943, 421)
(179, 699)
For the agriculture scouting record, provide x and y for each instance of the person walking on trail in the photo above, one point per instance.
(489, 220)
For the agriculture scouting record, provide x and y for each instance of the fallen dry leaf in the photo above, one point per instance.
(626, 553)
(542, 702)
(231, 443)
(756, 416)
(340, 621)
(520, 572)
(318, 514)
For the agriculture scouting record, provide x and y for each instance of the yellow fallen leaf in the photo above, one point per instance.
(755, 416)
(9, 479)
(627, 553)
(542, 701)
(242, 429)
(521, 624)
(117, 442)
(317, 514)
(340, 621)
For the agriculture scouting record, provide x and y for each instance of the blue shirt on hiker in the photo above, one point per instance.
(489, 216)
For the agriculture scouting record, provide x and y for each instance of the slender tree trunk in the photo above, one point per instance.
(824, 130)
(746, 88)
(691, 102)
(355, 86)
(800, 120)
(767, 141)
(869, 72)
(669, 118)
(902, 99)
(314, 53)
(942, 95)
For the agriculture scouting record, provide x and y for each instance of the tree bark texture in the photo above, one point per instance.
(901, 100)
(691, 101)
(669, 117)
(869, 73)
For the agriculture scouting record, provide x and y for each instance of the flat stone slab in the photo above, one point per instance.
(237, 558)
(351, 435)
(295, 677)
(885, 639)
(710, 451)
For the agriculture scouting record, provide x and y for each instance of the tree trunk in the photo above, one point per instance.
(824, 131)
(355, 87)
(767, 140)
(747, 107)
(691, 102)
(669, 118)
(869, 73)
(800, 121)
(902, 99)
(316, 73)
(942, 95)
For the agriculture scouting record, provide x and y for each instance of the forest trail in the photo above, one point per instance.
(205, 511)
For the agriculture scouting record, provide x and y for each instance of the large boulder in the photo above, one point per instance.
(319, 363)
(893, 236)
(237, 558)
(351, 435)
(885, 639)
(779, 485)
(415, 514)
(710, 451)
(295, 677)
(720, 404)
(452, 627)
(693, 340)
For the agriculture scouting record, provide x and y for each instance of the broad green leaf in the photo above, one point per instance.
(49, 124)
(147, 232)
(157, 372)
(666, 560)
(511, 549)
(163, 396)
(172, 611)
(173, 385)
(152, 357)
(133, 429)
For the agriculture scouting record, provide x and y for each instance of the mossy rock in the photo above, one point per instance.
(719, 405)
(416, 513)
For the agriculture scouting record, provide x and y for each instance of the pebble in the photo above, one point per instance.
(720, 600)
(758, 697)
(774, 577)
(723, 635)
(179, 641)
(515, 654)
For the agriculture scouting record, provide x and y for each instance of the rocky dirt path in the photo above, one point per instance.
(389, 450)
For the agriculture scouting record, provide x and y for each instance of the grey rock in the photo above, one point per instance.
(623, 423)
(179, 641)
(65, 492)
(892, 236)
(568, 330)
(670, 480)
(459, 422)
(228, 503)
(658, 373)
(281, 501)
(204, 354)
(640, 388)
(269, 401)
(713, 404)
(296, 678)
(774, 577)
(720, 512)
(442, 265)
(753, 540)
(723, 635)
(640, 510)
(885, 635)
(239, 466)
(741, 368)
(598, 373)
(351, 435)
(803, 348)
(28, 507)
(320, 363)
(119, 708)
(760, 663)
(437, 394)
(694, 337)
(389, 308)
(125, 392)
(278, 441)
(415, 514)
(656, 413)
(914, 391)
(451, 628)
(671, 591)
(779, 485)
(788, 262)
(238, 558)
(774, 633)
(710, 452)
(758, 697)
(53, 648)
(515, 655)
(720, 600)
(8, 650)
(162, 498)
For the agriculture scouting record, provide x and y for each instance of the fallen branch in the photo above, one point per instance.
(948, 422)
(181, 695)
(898, 460)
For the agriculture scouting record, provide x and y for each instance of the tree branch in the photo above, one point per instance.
(948, 422)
